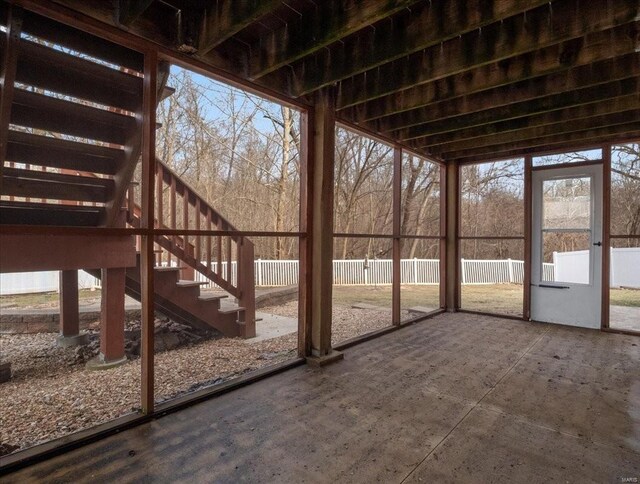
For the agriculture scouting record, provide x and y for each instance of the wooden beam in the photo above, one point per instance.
(305, 247)
(150, 92)
(69, 303)
(322, 154)
(606, 236)
(563, 126)
(129, 10)
(426, 25)
(112, 314)
(610, 106)
(528, 215)
(595, 47)
(452, 267)
(225, 18)
(396, 244)
(7, 78)
(517, 35)
(48, 252)
(442, 232)
(579, 97)
(614, 134)
(328, 22)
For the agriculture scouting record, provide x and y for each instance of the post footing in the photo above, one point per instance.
(5, 371)
(99, 363)
(324, 360)
(75, 340)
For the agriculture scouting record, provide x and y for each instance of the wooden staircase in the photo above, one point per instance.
(71, 142)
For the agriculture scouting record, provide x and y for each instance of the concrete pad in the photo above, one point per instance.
(365, 306)
(623, 317)
(273, 326)
(417, 310)
(575, 399)
(500, 448)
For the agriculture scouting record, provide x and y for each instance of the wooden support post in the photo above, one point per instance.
(69, 304)
(606, 235)
(306, 241)
(528, 207)
(452, 269)
(397, 201)
(112, 316)
(443, 240)
(146, 257)
(246, 284)
(321, 153)
(7, 77)
(69, 311)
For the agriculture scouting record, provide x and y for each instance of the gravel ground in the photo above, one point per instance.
(347, 322)
(51, 395)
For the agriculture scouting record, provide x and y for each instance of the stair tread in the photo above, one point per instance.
(191, 283)
(60, 153)
(231, 310)
(53, 177)
(31, 213)
(48, 113)
(80, 41)
(167, 269)
(60, 72)
(57, 186)
(211, 297)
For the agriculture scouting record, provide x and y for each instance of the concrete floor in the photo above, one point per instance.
(457, 398)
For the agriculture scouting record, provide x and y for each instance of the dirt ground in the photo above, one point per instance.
(51, 395)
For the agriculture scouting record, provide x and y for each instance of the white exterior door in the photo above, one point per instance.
(566, 246)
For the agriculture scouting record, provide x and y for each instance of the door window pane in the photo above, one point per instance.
(566, 257)
(566, 203)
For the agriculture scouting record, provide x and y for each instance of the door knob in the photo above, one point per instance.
(597, 243)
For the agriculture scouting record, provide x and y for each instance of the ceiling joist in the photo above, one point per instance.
(497, 129)
(515, 36)
(443, 77)
(552, 102)
(610, 133)
(540, 132)
(409, 125)
(329, 22)
(595, 47)
(222, 19)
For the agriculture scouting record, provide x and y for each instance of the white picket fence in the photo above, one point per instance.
(501, 271)
(269, 273)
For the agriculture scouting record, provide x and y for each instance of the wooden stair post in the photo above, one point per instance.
(69, 310)
(112, 316)
(246, 284)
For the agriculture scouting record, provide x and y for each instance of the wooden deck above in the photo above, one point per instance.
(454, 79)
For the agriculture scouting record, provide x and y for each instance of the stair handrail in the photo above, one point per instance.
(191, 253)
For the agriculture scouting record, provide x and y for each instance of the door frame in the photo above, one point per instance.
(605, 162)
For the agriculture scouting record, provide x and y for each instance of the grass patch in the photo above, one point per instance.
(43, 299)
(625, 297)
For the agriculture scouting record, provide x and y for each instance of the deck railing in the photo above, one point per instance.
(180, 208)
